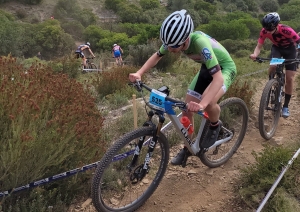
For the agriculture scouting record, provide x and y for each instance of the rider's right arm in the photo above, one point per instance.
(256, 51)
(150, 63)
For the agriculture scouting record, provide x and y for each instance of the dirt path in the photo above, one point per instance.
(199, 188)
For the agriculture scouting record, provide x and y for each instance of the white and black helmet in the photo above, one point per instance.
(176, 28)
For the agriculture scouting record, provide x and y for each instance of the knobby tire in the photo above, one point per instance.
(268, 129)
(234, 116)
(112, 189)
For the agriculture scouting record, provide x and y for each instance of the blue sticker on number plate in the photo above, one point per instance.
(276, 61)
(157, 100)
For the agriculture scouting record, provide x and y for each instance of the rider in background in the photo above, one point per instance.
(216, 74)
(116, 53)
(80, 49)
(298, 51)
(283, 38)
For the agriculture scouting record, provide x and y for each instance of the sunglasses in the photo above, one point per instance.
(270, 29)
(175, 47)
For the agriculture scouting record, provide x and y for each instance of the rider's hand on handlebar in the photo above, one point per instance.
(195, 107)
(253, 56)
(133, 77)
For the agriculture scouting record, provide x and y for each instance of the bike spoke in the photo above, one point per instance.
(120, 185)
(234, 117)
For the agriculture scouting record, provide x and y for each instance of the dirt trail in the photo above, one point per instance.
(199, 188)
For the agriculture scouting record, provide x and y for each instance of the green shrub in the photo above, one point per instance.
(241, 89)
(142, 53)
(257, 179)
(50, 124)
(242, 53)
(68, 64)
(21, 13)
(112, 81)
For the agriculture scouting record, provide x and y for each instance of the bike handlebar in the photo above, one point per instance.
(286, 61)
(138, 85)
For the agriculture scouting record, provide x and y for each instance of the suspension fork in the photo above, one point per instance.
(140, 172)
(142, 139)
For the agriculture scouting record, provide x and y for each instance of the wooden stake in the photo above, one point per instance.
(134, 111)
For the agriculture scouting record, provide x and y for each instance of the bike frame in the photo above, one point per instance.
(162, 104)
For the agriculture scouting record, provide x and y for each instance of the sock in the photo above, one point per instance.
(214, 125)
(287, 99)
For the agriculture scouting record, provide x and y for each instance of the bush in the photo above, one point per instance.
(21, 13)
(141, 54)
(242, 53)
(257, 179)
(67, 65)
(234, 46)
(50, 124)
(243, 90)
(110, 82)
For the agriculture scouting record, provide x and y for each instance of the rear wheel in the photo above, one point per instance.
(114, 187)
(269, 109)
(234, 117)
(93, 66)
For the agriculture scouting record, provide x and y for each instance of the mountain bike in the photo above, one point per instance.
(132, 168)
(90, 66)
(272, 97)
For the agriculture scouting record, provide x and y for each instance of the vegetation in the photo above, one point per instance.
(49, 110)
(258, 178)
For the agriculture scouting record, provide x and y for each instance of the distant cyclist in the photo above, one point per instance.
(116, 53)
(284, 39)
(79, 52)
(298, 51)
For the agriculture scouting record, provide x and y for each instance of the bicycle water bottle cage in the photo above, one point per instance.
(164, 89)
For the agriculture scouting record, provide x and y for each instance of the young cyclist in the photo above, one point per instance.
(80, 49)
(213, 79)
(284, 39)
(298, 51)
(116, 53)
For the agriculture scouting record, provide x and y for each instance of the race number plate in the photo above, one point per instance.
(276, 61)
(157, 100)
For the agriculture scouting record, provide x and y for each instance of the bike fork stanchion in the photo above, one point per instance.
(277, 181)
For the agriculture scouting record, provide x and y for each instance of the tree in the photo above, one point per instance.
(202, 5)
(234, 30)
(149, 4)
(129, 13)
(112, 4)
(281, 2)
(269, 5)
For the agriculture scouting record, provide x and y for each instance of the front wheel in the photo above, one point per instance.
(234, 117)
(269, 109)
(113, 186)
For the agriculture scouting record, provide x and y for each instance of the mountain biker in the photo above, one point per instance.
(216, 74)
(284, 39)
(298, 50)
(80, 49)
(116, 53)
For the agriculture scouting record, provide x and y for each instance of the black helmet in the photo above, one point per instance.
(88, 43)
(270, 21)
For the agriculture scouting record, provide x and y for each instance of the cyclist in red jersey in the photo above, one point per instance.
(298, 51)
(284, 39)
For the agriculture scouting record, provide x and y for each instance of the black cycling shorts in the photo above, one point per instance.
(286, 53)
